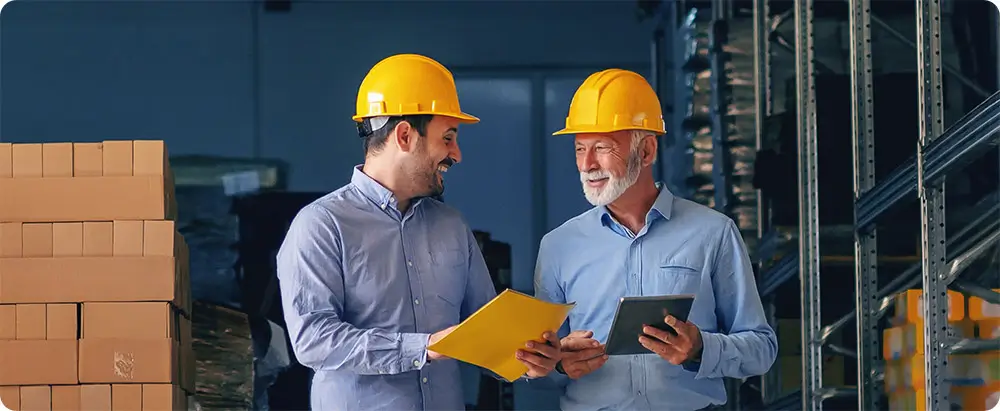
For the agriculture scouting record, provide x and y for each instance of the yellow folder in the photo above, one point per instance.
(491, 336)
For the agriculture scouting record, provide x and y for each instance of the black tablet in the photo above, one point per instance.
(634, 312)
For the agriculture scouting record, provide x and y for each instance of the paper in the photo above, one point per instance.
(491, 336)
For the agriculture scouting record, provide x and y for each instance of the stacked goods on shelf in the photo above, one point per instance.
(94, 300)
(986, 365)
(903, 350)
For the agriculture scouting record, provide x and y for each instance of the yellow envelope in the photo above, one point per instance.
(491, 336)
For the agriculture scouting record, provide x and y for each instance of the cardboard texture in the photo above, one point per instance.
(74, 199)
(95, 397)
(27, 160)
(38, 362)
(36, 398)
(57, 160)
(67, 240)
(10, 240)
(88, 159)
(94, 279)
(30, 321)
(11, 397)
(66, 398)
(6, 161)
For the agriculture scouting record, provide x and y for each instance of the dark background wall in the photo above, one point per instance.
(228, 79)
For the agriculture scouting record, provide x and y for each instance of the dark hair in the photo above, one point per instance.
(375, 141)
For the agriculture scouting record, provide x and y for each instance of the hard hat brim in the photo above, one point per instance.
(582, 130)
(462, 117)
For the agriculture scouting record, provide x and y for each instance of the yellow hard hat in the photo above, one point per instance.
(409, 84)
(614, 100)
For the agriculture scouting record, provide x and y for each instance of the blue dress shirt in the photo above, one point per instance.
(684, 248)
(363, 286)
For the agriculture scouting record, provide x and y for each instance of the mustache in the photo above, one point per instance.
(594, 175)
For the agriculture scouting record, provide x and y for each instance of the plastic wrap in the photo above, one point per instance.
(740, 132)
(223, 358)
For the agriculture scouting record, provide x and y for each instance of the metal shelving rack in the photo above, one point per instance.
(939, 152)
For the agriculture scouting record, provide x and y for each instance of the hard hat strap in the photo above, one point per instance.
(367, 126)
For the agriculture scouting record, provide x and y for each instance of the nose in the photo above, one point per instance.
(587, 161)
(455, 153)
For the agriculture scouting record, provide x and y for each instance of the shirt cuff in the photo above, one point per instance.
(413, 351)
(711, 350)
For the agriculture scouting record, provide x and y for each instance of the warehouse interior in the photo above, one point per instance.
(826, 129)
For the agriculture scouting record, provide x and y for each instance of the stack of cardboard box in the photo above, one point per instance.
(969, 376)
(94, 289)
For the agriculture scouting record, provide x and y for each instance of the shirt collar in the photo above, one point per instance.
(662, 207)
(371, 189)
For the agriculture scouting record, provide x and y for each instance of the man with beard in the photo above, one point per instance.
(376, 271)
(640, 240)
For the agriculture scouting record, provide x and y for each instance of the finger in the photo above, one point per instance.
(596, 362)
(533, 370)
(655, 345)
(553, 339)
(582, 355)
(578, 343)
(535, 360)
(661, 335)
(581, 334)
(543, 349)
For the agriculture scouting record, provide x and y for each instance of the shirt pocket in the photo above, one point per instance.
(449, 268)
(675, 278)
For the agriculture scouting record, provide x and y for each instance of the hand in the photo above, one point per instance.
(542, 356)
(676, 349)
(582, 354)
(431, 355)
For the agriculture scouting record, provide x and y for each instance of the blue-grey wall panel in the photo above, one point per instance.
(88, 71)
(562, 178)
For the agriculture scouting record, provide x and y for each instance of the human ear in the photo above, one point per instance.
(401, 135)
(649, 145)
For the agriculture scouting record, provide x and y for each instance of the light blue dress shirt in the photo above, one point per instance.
(363, 286)
(684, 248)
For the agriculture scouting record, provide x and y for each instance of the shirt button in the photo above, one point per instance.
(416, 363)
(425, 380)
(409, 263)
(416, 301)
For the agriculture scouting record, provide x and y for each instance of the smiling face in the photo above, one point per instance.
(609, 164)
(434, 153)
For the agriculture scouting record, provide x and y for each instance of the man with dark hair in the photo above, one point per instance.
(376, 271)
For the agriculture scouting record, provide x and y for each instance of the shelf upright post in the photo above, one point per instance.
(865, 251)
(809, 256)
(931, 194)
(721, 163)
(762, 110)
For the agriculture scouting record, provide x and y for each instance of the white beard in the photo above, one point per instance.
(616, 186)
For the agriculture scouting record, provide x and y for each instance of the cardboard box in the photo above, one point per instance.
(88, 159)
(6, 161)
(126, 397)
(76, 199)
(90, 279)
(30, 321)
(57, 160)
(66, 398)
(98, 238)
(61, 321)
(908, 339)
(10, 240)
(36, 240)
(131, 361)
(11, 397)
(980, 310)
(95, 397)
(163, 397)
(27, 160)
(38, 362)
(131, 320)
(8, 322)
(36, 397)
(67, 240)
(118, 158)
(910, 307)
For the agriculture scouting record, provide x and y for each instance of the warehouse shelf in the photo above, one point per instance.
(969, 136)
